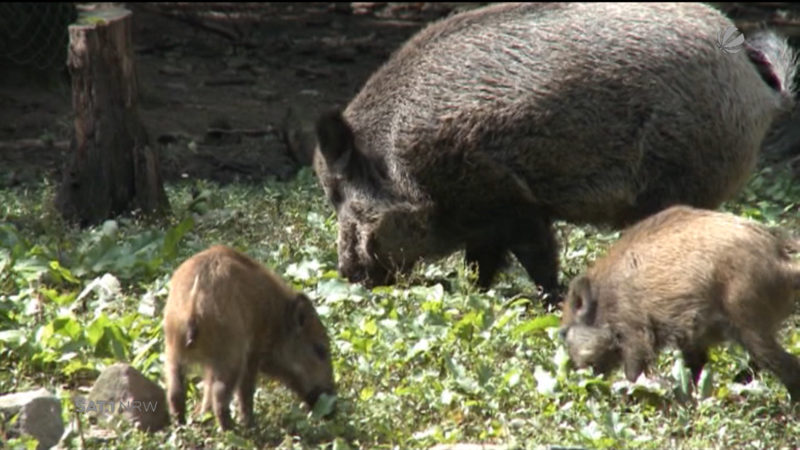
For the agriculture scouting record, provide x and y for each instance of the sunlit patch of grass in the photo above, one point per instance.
(429, 360)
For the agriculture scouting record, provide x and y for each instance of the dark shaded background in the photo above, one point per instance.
(230, 91)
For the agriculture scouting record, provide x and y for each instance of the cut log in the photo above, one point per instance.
(112, 168)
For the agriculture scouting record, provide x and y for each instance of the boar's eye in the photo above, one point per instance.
(320, 352)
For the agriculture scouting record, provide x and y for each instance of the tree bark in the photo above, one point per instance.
(112, 168)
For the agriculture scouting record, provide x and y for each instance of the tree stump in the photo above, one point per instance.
(112, 169)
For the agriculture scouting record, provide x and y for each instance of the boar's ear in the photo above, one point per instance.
(337, 145)
(581, 301)
(335, 138)
(298, 312)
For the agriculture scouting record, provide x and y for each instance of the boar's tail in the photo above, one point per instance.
(191, 332)
(775, 61)
(191, 324)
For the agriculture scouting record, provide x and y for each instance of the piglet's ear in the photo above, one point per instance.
(335, 138)
(581, 300)
(297, 314)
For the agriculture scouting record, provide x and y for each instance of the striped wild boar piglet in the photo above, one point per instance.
(236, 318)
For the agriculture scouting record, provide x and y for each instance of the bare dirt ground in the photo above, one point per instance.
(226, 91)
(229, 91)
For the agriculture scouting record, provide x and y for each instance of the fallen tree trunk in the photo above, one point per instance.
(112, 168)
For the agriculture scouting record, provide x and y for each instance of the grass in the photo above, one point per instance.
(427, 361)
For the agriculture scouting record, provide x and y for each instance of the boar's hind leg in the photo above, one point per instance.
(246, 390)
(208, 383)
(225, 379)
(538, 254)
(176, 389)
(767, 353)
(489, 260)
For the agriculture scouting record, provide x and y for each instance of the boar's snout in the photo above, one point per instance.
(369, 277)
(313, 396)
(352, 272)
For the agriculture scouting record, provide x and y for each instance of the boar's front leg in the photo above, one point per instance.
(489, 259)
(637, 352)
(208, 382)
(529, 236)
(537, 251)
(695, 359)
(532, 242)
(226, 377)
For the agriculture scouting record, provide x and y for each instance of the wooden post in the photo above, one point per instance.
(112, 168)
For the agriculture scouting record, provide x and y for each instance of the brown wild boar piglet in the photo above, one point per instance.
(235, 317)
(687, 278)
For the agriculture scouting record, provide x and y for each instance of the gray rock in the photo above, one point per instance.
(122, 391)
(39, 416)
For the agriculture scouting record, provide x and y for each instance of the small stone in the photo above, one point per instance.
(39, 416)
(121, 389)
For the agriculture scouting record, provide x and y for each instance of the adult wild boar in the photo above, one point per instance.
(687, 278)
(489, 125)
(235, 317)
